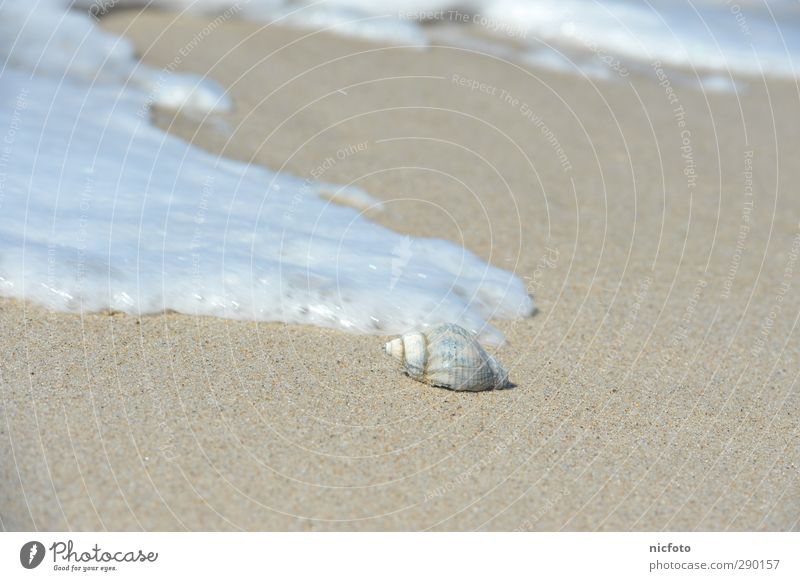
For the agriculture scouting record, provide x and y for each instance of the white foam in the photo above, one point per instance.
(341, 18)
(47, 39)
(712, 36)
(741, 37)
(99, 209)
(547, 58)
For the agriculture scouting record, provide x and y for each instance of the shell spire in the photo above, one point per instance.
(395, 348)
(448, 356)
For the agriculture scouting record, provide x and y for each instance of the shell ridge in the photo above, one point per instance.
(449, 356)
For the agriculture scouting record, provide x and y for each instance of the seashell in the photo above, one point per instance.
(448, 356)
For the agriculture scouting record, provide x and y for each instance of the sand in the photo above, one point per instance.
(656, 387)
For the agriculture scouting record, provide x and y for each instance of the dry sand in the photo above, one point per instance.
(656, 386)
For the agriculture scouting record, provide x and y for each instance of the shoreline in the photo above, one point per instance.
(654, 391)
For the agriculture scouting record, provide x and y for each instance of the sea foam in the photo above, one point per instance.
(99, 209)
(586, 37)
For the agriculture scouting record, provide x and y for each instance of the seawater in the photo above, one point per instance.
(100, 209)
(717, 40)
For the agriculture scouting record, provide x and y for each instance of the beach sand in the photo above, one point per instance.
(656, 387)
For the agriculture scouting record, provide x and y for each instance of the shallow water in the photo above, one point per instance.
(99, 209)
(591, 37)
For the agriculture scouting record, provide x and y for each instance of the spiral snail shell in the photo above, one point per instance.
(448, 356)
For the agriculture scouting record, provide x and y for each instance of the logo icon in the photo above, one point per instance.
(31, 554)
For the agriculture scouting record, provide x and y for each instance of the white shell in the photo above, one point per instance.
(448, 356)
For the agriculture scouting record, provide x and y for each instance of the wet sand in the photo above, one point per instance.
(656, 387)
